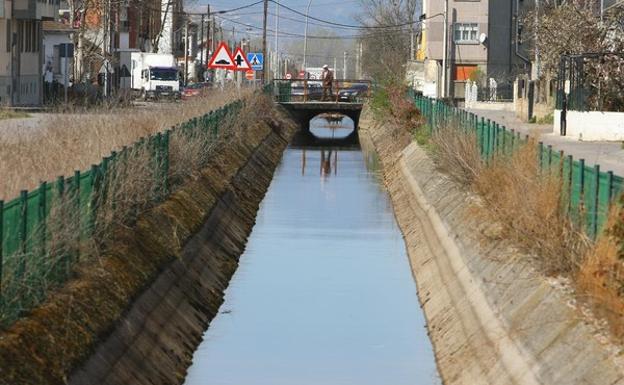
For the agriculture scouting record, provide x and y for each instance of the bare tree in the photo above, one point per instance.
(386, 36)
(574, 27)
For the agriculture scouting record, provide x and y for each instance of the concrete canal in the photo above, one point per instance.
(323, 293)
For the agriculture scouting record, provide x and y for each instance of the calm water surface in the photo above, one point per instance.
(323, 293)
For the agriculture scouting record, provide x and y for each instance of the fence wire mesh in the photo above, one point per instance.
(588, 191)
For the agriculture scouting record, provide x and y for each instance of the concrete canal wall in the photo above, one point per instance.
(139, 317)
(491, 317)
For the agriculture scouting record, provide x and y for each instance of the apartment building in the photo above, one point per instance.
(21, 52)
(484, 41)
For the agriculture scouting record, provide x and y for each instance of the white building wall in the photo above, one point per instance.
(592, 125)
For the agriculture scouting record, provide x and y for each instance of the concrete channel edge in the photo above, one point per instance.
(167, 283)
(492, 319)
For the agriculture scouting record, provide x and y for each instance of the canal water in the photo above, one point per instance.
(324, 292)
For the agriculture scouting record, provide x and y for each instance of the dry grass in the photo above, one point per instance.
(456, 153)
(132, 185)
(69, 142)
(527, 201)
(600, 282)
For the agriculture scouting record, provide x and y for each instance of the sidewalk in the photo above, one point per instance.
(609, 155)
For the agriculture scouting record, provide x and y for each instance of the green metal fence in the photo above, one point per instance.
(589, 190)
(27, 267)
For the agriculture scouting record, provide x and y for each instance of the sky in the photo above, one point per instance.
(289, 23)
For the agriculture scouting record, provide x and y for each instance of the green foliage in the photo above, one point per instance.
(548, 119)
(8, 114)
(380, 102)
(422, 135)
(477, 76)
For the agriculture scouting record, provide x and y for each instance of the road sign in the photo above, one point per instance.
(106, 67)
(302, 74)
(240, 60)
(250, 75)
(288, 76)
(222, 58)
(256, 60)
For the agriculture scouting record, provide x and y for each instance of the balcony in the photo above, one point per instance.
(35, 9)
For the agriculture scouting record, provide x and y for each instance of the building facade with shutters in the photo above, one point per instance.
(21, 57)
(484, 42)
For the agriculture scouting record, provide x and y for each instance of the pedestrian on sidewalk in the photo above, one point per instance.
(328, 79)
(48, 78)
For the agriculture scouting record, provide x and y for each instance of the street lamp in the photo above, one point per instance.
(305, 37)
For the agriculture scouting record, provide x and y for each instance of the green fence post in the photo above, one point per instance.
(549, 156)
(570, 180)
(540, 149)
(513, 141)
(60, 192)
(77, 214)
(42, 215)
(594, 217)
(481, 130)
(1, 245)
(582, 187)
(21, 267)
(95, 180)
(610, 192)
(488, 143)
(165, 162)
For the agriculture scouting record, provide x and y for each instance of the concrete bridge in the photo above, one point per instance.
(303, 98)
(303, 112)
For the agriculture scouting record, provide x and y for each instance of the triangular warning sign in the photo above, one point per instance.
(240, 60)
(222, 58)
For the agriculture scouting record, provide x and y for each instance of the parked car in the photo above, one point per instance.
(314, 91)
(193, 90)
(353, 93)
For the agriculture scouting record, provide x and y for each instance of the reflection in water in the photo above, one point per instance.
(323, 293)
(325, 161)
(331, 126)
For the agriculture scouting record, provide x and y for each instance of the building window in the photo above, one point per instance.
(466, 33)
(464, 72)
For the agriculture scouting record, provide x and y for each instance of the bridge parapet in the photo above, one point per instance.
(311, 90)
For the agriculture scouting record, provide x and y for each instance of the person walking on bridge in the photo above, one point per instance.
(328, 79)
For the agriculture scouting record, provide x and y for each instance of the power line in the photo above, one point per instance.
(348, 25)
(290, 34)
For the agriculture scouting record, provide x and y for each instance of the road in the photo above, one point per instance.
(609, 155)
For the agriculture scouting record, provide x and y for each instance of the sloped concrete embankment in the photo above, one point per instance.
(138, 317)
(492, 318)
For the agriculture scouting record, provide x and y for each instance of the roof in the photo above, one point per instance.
(55, 26)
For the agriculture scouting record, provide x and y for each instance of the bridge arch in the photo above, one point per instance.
(304, 112)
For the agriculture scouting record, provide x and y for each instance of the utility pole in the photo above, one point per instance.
(264, 32)
(361, 60)
(202, 46)
(357, 63)
(213, 28)
(445, 55)
(186, 71)
(277, 67)
(344, 66)
(305, 38)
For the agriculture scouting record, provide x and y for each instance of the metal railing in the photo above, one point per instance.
(588, 192)
(312, 90)
(27, 268)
